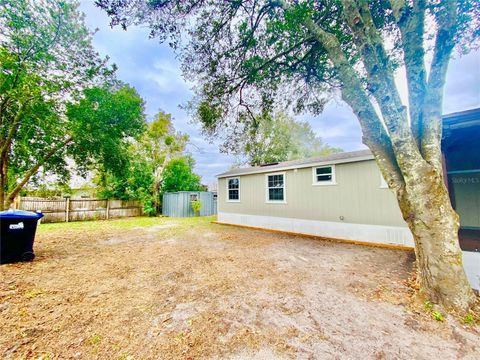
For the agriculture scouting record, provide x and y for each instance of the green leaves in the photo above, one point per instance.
(179, 176)
(280, 138)
(58, 97)
(141, 174)
(102, 124)
(209, 115)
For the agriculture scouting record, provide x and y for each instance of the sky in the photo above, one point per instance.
(154, 71)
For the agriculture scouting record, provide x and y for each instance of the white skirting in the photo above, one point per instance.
(377, 234)
(471, 263)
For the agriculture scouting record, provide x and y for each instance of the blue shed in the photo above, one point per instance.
(178, 204)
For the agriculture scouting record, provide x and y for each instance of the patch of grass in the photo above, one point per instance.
(428, 305)
(95, 339)
(30, 294)
(468, 319)
(125, 357)
(437, 315)
(125, 223)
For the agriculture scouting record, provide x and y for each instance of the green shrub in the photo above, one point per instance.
(196, 206)
(149, 207)
(469, 319)
(437, 315)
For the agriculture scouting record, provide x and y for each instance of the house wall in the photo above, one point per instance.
(358, 197)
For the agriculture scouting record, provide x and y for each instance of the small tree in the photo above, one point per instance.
(196, 206)
(148, 155)
(179, 176)
(160, 144)
(134, 182)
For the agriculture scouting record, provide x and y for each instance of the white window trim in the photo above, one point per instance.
(284, 201)
(323, 183)
(239, 191)
(383, 183)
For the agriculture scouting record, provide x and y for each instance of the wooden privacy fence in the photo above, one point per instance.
(58, 210)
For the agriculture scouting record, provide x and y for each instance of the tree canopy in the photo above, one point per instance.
(277, 138)
(249, 56)
(141, 178)
(58, 98)
(179, 176)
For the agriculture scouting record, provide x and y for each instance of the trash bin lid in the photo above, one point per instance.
(20, 214)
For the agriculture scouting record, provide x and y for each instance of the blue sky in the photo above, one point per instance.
(155, 72)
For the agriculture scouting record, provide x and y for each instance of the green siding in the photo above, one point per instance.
(357, 197)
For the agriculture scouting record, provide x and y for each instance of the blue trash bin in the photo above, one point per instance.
(17, 233)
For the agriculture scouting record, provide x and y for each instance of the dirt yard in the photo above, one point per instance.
(187, 289)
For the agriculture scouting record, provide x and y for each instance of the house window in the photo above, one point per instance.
(193, 197)
(233, 189)
(324, 175)
(276, 187)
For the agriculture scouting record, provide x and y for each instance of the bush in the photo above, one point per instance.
(149, 207)
(196, 206)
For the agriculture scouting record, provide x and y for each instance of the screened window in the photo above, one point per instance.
(324, 175)
(233, 189)
(276, 187)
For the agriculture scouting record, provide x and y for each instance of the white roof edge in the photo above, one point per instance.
(299, 166)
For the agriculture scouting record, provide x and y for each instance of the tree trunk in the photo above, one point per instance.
(3, 182)
(417, 182)
(2, 190)
(2, 196)
(434, 224)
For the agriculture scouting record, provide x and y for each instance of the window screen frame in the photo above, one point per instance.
(267, 193)
(332, 181)
(228, 189)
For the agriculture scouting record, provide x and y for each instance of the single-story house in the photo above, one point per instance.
(344, 196)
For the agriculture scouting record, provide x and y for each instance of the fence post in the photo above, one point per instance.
(107, 215)
(67, 208)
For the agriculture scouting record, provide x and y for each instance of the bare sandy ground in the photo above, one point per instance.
(187, 289)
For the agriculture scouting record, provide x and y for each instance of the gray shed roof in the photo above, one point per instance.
(338, 158)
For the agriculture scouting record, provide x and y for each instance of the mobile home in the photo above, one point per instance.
(344, 196)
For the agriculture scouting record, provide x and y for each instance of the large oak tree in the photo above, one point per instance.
(258, 54)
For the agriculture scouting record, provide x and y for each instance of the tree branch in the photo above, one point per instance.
(5, 144)
(34, 169)
(432, 109)
(380, 75)
(374, 134)
(411, 22)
